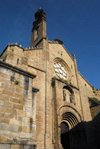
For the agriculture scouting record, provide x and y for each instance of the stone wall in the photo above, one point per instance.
(36, 116)
(34, 62)
(16, 109)
(85, 92)
(11, 146)
(95, 110)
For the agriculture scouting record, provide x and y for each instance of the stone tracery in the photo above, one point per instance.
(60, 70)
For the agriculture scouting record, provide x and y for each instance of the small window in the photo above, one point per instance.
(17, 60)
(12, 78)
(64, 95)
(37, 29)
(36, 33)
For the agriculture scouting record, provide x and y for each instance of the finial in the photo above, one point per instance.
(20, 45)
(73, 55)
(16, 43)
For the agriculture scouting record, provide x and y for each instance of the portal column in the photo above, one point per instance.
(34, 92)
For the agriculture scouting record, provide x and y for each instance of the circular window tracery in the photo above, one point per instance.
(60, 70)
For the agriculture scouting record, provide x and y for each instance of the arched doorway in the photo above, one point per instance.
(68, 118)
(64, 127)
(69, 121)
(65, 141)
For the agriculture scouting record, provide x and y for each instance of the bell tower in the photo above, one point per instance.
(39, 29)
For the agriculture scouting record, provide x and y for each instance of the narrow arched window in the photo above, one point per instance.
(17, 60)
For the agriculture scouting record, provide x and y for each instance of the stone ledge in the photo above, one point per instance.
(16, 69)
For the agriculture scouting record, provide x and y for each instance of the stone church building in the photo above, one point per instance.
(43, 96)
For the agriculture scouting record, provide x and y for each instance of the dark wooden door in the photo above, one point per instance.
(65, 135)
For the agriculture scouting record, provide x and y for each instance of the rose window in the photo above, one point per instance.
(60, 71)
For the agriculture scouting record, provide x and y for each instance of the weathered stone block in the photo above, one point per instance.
(5, 146)
(4, 80)
(6, 97)
(20, 128)
(10, 88)
(18, 106)
(2, 115)
(2, 85)
(29, 147)
(8, 104)
(8, 127)
(7, 92)
(21, 113)
(16, 146)
(16, 100)
(18, 95)
(24, 129)
(2, 103)
(5, 120)
(9, 110)
(19, 90)
(1, 96)
(8, 115)
(3, 139)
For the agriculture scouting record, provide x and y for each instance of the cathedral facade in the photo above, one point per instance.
(42, 93)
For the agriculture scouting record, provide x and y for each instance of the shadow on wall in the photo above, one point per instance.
(85, 135)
